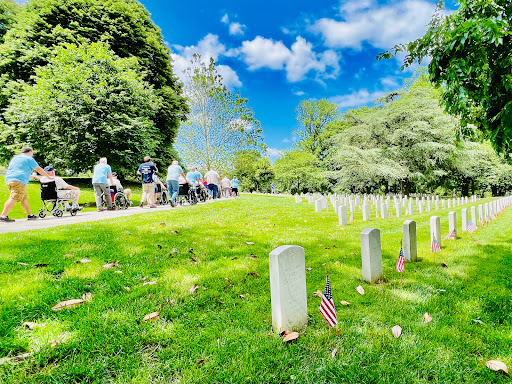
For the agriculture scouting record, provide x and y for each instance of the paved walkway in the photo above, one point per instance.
(49, 221)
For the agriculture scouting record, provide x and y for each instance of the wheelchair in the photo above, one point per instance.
(186, 194)
(119, 199)
(52, 203)
(163, 198)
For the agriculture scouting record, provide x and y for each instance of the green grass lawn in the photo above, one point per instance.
(34, 196)
(222, 331)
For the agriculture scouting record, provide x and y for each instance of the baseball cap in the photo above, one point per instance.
(49, 168)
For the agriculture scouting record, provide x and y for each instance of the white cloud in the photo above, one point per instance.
(208, 47)
(274, 152)
(225, 19)
(299, 93)
(297, 61)
(285, 140)
(236, 29)
(356, 98)
(390, 82)
(382, 26)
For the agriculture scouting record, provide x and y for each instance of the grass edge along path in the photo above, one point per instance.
(221, 332)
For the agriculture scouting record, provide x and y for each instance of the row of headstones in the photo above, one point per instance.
(288, 265)
(341, 207)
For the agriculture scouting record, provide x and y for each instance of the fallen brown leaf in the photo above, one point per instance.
(194, 259)
(15, 359)
(444, 265)
(152, 316)
(254, 274)
(234, 258)
(67, 304)
(68, 256)
(40, 265)
(360, 290)
(193, 288)
(496, 365)
(20, 263)
(149, 283)
(318, 293)
(200, 362)
(343, 302)
(218, 223)
(254, 257)
(29, 324)
(249, 243)
(87, 297)
(111, 265)
(290, 337)
(338, 332)
(334, 351)
(163, 224)
(427, 317)
(55, 343)
(83, 261)
(308, 268)
(191, 251)
(174, 232)
(127, 288)
(397, 331)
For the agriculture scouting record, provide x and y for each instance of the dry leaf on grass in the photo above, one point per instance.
(83, 261)
(55, 343)
(427, 317)
(127, 288)
(334, 351)
(338, 332)
(290, 337)
(194, 259)
(151, 316)
(397, 331)
(40, 265)
(174, 232)
(308, 268)
(87, 297)
(191, 251)
(149, 283)
(173, 251)
(318, 293)
(163, 224)
(249, 243)
(497, 365)
(343, 302)
(360, 290)
(68, 256)
(444, 265)
(15, 359)
(218, 223)
(254, 274)
(200, 362)
(193, 288)
(67, 304)
(20, 263)
(29, 324)
(254, 257)
(118, 271)
(111, 265)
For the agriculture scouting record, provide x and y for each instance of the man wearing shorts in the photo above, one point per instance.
(17, 178)
(64, 190)
(147, 170)
(235, 183)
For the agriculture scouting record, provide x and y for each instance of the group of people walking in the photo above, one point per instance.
(21, 167)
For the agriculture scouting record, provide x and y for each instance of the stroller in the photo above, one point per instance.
(52, 203)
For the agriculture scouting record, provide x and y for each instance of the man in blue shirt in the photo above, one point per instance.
(173, 175)
(193, 176)
(235, 183)
(17, 178)
(102, 172)
(147, 170)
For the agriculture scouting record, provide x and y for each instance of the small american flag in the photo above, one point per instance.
(471, 227)
(488, 219)
(451, 235)
(482, 222)
(406, 212)
(351, 219)
(400, 261)
(390, 214)
(327, 305)
(435, 245)
(493, 217)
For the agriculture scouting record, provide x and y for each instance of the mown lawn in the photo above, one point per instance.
(222, 331)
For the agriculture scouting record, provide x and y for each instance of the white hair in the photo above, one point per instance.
(103, 160)
(175, 162)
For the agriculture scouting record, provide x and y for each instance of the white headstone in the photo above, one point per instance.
(410, 244)
(366, 212)
(319, 205)
(464, 219)
(384, 211)
(371, 255)
(452, 222)
(474, 216)
(435, 229)
(481, 212)
(411, 208)
(398, 209)
(288, 294)
(342, 215)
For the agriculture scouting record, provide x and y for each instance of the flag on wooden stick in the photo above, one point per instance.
(400, 261)
(435, 245)
(327, 305)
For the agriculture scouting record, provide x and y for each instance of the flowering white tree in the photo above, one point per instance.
(219, 122)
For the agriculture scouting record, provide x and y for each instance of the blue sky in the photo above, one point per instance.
(279, 52)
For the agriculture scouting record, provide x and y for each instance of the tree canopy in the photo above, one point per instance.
(124, 25)
(470, 54)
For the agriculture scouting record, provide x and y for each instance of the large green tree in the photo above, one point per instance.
(125, 25)
(300, 171)
(219, 123)
(8, 11)
(470, 52)
(253, 170)
(86, 103)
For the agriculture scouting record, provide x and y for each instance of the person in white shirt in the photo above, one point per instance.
(64, 190)
(225, 185)
(213, 179)
(119, 187)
